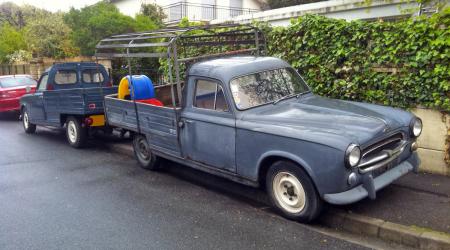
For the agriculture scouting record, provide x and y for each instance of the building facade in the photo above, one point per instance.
(194, 10)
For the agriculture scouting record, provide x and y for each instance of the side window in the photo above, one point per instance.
(92, 76)
(66, 77)
(209, 95)
(43, 83)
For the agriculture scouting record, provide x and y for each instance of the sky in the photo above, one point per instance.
(54, 5)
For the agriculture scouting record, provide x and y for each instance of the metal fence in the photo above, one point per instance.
(201, 12)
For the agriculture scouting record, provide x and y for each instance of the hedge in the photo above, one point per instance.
(404, 64)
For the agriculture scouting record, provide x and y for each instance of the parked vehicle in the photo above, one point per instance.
(12, 87)
(254, 120)
(70, 95)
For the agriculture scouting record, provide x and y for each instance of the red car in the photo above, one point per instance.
(12, 87)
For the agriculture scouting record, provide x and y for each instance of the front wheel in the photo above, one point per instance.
(27, 125)
(292, 191)
(75, 133)
(144, 154)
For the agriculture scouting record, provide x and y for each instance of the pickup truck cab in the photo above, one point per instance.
(229, 110)
(68, 95)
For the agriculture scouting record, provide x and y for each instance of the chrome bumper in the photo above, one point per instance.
(371, 185)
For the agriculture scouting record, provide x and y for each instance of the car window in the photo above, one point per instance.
(8, 82)
(43, 83)
(92, 76)
(265, 87)
(209, 95)
(66, 77)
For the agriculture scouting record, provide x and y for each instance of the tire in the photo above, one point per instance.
(27, 125)
(144, 155)
(292, 192)
(75, 133)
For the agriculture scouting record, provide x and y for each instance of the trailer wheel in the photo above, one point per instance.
(27, 125)
(75, 133)
(144, 155)
(292, 191)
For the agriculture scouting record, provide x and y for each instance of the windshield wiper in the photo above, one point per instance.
(290, 96)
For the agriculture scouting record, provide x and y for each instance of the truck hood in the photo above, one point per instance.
(313, 117)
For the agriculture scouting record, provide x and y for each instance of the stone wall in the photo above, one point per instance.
(38, 66)
(434, 143)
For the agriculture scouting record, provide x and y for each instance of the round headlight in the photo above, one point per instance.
(353, 155)
(416, 127)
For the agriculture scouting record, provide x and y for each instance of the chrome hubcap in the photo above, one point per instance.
(25, 120)
(72, 131)
(289, 192)
(143, 149)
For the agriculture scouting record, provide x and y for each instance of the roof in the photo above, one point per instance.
(226, 69)
(72, 65)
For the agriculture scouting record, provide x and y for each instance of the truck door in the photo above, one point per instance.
(208, 133)
(37, 109)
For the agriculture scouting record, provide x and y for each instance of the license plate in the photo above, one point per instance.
(383, 169)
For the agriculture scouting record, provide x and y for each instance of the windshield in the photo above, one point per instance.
(266, 87)
(8, 82)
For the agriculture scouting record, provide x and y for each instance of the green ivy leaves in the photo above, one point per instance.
(404, 63)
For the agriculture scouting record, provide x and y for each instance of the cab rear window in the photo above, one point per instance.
(92, 76)
(8, 82)
(66, 77)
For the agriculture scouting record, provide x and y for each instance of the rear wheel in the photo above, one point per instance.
(27, 126)
(75, 133)
(144, 154)
(292, 191)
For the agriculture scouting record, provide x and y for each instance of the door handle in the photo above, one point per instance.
(183, 122)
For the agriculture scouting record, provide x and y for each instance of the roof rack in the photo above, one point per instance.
(152, 43)
(169, 43)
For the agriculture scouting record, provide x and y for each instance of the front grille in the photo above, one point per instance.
(380, 154)
(389, 143)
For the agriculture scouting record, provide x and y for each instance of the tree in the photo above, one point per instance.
(50, 36)
(154, 12)
(11, 40)
(19, 16)
(92, 23)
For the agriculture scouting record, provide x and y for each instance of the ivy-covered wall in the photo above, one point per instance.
(404, 64)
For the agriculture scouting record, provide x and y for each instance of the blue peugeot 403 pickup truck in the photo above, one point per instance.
(253, 119)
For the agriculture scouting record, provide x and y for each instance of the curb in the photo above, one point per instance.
(410, 236)
(406, 235)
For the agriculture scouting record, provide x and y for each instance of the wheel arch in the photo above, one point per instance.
(267, 159)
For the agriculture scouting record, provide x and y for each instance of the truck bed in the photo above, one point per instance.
(159, 124)
(80, 101)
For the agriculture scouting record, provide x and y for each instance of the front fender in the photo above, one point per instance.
(289, 156)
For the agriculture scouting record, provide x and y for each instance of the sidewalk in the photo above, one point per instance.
(419, 200)
(414, 210)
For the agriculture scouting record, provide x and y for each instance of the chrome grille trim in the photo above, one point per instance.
(385, 155)
(382, 160)
(396, 137)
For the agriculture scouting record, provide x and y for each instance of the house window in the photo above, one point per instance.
(236, 8)
(209, 9)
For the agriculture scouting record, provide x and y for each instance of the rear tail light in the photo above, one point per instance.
(88, 121)
(109, 84)
(49, 87)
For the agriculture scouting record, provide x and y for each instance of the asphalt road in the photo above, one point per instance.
(55, 197)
